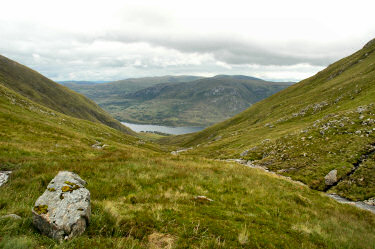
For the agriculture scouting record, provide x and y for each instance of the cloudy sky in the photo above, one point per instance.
(112, 40)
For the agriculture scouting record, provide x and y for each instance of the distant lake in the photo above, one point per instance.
(162, 128)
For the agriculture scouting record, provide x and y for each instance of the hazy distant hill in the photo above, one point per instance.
(44, 91)
(113, 92)
(80, 82)
(201, 102)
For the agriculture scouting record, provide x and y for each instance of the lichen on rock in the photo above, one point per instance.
(41, 209)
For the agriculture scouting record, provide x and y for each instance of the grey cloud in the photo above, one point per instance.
(232, 50)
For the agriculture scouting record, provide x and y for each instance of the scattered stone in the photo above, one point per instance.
(361, 109)
(331, 177)
(269, 125)
(175, 153)
(218, 138)
(141, 142)
(11, 216)
(244, 153)
(266, 141)
(370, 201)
(285, 170)
(4, 176)
(241, 161)
(98, 145)
(202, 198)
(63, 211)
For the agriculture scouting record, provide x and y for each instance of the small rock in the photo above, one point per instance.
(331, 177)
(202, 198)
(63, 211)
(98, 145)
(361, 109)
(11, 216)
(370, 201)
(286, 170)
(244, 153)
(175, 153)
(218, 138)
(4, 176)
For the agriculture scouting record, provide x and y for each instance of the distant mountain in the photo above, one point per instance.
(113, 92)
(320, 131)
(72, 82)
(44, 91)
(199, 103)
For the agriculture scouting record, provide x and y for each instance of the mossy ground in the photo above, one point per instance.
(142, 196)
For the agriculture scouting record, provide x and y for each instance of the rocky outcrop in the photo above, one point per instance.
(4, 176)
(331, 178)
(63, 211)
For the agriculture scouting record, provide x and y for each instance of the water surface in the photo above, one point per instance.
(162, 128)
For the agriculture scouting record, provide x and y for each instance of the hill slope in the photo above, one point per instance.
(321, 124)
(144, 198)
(40, 89)
(196, 103)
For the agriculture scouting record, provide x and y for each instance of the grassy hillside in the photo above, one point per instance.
(197, 103)
(41, 90)
(323, 123)
(144, 198)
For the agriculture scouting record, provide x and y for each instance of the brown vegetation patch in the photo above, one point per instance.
(160, 241)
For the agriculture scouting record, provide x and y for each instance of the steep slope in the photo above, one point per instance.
(40, 89)
(322, 124)
(143, 198)
(197, 103)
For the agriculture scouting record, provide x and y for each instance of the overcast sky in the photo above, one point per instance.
(112, 40)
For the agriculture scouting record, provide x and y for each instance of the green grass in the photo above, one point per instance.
(310, 108)
(143, 197)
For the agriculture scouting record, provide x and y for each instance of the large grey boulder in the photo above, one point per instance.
(4, 175)
(63, 211)
(331, 178)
